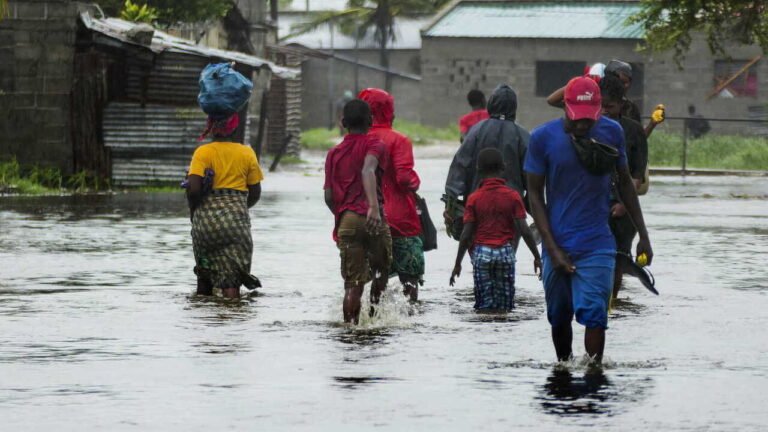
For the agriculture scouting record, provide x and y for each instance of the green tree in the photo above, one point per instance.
(671, 24)
(134, 12)
(361, 17)
(174, 11)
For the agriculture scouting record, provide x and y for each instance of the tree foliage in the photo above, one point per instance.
(671, 24)
(174, 11)
(364, 17)
(134, 12)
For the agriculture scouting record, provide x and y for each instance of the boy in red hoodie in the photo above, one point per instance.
(352, 193)
(399, 184)
(493, 217)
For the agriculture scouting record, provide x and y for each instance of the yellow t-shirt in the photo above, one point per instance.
(234, 165)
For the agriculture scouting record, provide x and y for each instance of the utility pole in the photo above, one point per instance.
(331, 83)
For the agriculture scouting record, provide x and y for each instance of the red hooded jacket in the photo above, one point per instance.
(399, 181)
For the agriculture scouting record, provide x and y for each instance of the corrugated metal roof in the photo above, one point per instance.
(152, 144)
(163, 42)
(561, 20)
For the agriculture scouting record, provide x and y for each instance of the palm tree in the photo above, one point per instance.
(378, 16)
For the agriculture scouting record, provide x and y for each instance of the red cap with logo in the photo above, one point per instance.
(582, 99)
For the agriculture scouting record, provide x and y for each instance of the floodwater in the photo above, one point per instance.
(99, 329)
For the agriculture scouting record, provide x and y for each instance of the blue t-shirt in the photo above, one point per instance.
(578, 203)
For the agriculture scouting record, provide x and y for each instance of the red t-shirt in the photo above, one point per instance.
(494, 206)
(398, 183)
(468, 120)
(344, 173)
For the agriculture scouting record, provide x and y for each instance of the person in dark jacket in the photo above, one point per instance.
(499, 131)
(636, 145)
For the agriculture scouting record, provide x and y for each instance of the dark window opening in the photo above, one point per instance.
(551, 75)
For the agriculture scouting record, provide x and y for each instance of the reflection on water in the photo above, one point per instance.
(564, 394)
(572, 393)
(357, 382)
(362, 337)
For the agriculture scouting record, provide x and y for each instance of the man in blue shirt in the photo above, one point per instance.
(579, 249)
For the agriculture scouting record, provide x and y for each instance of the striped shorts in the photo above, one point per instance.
(494, 274)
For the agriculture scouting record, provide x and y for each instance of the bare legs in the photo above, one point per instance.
(410, 287)
(594, 342)
(562, 337)
(617, 277)
(205, 288)
(353, 293)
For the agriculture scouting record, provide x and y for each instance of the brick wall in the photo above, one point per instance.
(36, 60)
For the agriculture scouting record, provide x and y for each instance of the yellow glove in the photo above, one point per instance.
(659, 114)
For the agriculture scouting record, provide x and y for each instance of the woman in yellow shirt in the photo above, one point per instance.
(224, 182)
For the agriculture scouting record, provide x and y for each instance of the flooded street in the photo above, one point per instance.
(99, 328)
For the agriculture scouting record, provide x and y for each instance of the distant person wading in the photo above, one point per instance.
(476, 100)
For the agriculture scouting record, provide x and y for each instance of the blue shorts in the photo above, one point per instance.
(585, 293)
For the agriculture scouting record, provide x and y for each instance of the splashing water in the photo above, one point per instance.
(393, 311)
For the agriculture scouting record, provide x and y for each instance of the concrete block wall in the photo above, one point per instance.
(37, 45)
(315, 101)
(453, 66)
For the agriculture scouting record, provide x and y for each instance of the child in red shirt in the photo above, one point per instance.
(493, 217)
(476, 100)
(353, 194)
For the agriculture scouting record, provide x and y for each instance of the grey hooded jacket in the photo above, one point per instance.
(499, 131)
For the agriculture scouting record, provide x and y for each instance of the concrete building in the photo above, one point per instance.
(537, 46)
(331, 70)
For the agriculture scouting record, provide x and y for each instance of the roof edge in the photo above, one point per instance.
(439, 16)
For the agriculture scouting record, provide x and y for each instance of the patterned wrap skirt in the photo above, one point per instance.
(408, 257)
(494, 275)
(221, 240)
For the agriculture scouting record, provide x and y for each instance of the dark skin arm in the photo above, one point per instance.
(649, 128)
(523, 229)
(254, 194)
(560, 260)
(328, 194)
(465, 241)
(556, 98)
(194, 193)
(373, 219)
(632, 204)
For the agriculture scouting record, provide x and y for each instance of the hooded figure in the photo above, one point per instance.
(399, 184)
(499, 131)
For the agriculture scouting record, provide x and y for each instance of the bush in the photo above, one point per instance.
(319, 138)
(420, 134)
(709, 151)
(323, 139)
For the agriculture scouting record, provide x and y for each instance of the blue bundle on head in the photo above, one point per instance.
(223, 90)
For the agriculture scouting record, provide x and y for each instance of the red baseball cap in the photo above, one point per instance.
(582, 99)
